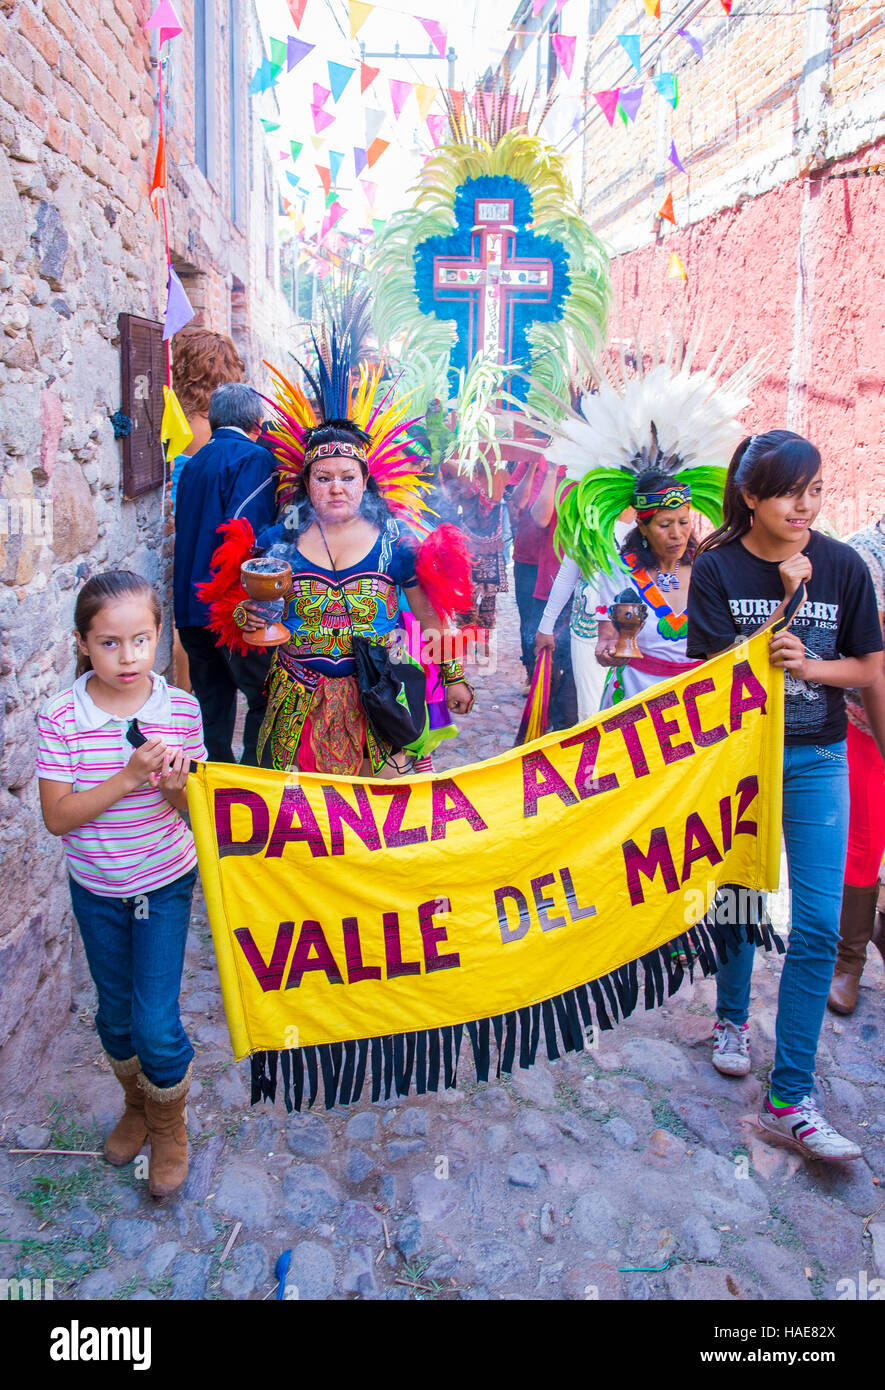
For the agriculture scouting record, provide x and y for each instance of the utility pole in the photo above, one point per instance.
(451, 57)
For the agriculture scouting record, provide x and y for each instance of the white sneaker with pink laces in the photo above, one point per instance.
(731, 1048)
(804, 1126)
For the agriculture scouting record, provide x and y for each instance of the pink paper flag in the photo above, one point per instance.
(564, 47)
(399, 94)
(370, 190)
(674, 157)
(320, 94)
(436, 33)
(560, 6)
(608, 101)
(321, 119)
(284, 154)
(537, 7)
(166, 20)
(436, 125)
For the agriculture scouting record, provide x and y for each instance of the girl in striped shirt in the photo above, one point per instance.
(131, 857)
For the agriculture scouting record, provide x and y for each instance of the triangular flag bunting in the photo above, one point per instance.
(674, 157)
(677, 269)
(296, 146)
(560, 6)
(264, 77)
(158, 182)
(652, 8)
(630, 100)
(269, 126)
(367, 76)
(376, 150)
(692, 38)
(400, 92)
(296, 49)
(665, 211)
(174, 428)
(336, 159)
(321, 119)
(320, 94)
(378, 224)
(666, 85)
(339, 76)
(370, 190)
(436, 125)
(537, 7)
(325, 178)
(279, 51)
(296, 10)
(631, 44)
(425, 97)
(284, 154)
(564, 47)
(359, 13)
(166, 20)
(608, 102)
(330, 198)
(318, 142)
(374, 121)
(436, 34)
(293, 178)
(726, 5)
(457, 100)
(178, 307)
(360, 160)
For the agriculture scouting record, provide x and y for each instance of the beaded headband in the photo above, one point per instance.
(647, 503)
(335, 446)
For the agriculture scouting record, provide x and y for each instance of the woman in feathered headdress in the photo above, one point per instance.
(658, 441)
(351, 480)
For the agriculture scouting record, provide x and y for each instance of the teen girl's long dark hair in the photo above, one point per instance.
(103, 589)
(765, 465)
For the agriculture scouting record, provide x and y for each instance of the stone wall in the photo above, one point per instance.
(780, 214)
(78, 246)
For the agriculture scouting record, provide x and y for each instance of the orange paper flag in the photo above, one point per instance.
(158, 182)
(652, 8)
(367, 76)
(325, 178)
(296, 10)
(677, 269)
(376, 150)
(666, 209)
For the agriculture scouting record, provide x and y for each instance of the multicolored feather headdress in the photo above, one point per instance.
(341, 406)
(669, 417)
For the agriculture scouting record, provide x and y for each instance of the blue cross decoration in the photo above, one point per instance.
(492, 276)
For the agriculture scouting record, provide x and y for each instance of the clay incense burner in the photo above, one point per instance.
(627, 614)
(267, 580)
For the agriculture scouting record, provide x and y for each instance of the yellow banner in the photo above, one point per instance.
(347, 908)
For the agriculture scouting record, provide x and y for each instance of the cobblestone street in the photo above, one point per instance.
(631, 1171)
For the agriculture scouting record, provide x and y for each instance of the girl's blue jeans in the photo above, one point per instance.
(815, 821)
(135, 949)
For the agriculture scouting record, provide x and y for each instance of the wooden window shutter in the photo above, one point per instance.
(143, 372)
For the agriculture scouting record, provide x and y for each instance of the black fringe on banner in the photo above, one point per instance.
(419, 1062)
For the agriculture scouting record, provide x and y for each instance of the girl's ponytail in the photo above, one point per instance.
(737, 518)
(102, 589)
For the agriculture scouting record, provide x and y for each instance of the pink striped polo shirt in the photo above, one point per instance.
(141, 842)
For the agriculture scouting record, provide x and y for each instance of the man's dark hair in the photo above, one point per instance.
(235, 404)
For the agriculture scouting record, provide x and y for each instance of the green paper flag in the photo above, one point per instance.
(377, 224)
(330, 198)
(296, 146)
(623, 114)
(278, 51)
(269, 126)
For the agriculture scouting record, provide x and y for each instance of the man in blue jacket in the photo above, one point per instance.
(230, 476)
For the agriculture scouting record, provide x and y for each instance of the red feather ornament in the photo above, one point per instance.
(224, 591)
(445, 571)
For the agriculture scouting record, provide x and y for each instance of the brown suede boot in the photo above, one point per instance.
(166, 1115)
(855, 931)
(129, 1134)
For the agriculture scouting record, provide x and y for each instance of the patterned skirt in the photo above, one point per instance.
(316, 723)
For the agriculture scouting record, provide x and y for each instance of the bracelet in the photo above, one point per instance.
(472, 699)
(452, 672)
(240, 616)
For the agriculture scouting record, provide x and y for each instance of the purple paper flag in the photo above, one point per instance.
(360, 160)
(178, 307)
(674, 157)
(631, 98)
(693, 39)
(296, 49)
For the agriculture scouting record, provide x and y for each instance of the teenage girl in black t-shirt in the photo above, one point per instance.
(743, 575)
